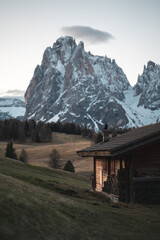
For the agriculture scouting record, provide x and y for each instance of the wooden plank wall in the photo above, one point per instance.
(146, 161)
(101, 172)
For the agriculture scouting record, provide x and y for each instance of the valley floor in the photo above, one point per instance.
(66, 144)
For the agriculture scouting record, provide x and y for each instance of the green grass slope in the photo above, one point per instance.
(41, 203)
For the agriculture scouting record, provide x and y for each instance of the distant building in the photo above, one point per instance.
(127, 167)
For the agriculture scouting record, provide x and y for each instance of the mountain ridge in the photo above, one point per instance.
(72, 85)
(76, 86)
(78, 81)
(11, 107)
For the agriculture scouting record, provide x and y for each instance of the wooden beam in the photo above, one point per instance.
(129, 173)
(94, 154)
(109, 167)
(94, 169)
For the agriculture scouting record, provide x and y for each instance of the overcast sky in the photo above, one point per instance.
(125, 30)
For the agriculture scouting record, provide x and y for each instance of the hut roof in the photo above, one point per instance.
(125, 142)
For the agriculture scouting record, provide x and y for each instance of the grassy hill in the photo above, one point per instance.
(40, 203)
(66, 144)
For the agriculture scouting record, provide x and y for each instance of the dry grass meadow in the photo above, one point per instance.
(66, 144)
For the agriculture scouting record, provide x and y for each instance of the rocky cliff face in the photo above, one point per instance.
(148, 87)
(72, 85)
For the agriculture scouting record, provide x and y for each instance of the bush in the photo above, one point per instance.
(54, 159)
(23, 156)
(69, 167)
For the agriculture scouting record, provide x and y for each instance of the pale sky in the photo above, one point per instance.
(27, 27)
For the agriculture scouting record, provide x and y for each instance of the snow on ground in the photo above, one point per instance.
(60, 68)
(31, 116)
(13, 111)
(13, 107)
(95, 124)
(57, 116)
(75, 115)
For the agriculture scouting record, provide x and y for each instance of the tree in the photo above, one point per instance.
(10, 151)
(26, 128)
(35, 136)
(69, 167)
(1, 130)
(45, 133)
(21, 134)
(98, 137)
(32, 126)
(54, 158)
(23, 156)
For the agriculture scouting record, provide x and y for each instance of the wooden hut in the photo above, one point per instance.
(127, 167)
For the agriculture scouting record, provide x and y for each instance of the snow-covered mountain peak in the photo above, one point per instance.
(151, 66)
(72, 85)
(80, 45)
(68, 40)
(63, 48)
(148, 85)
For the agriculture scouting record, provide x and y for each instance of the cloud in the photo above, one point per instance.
(12, 93)
(91, 35)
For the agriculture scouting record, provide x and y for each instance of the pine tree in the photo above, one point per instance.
(69, 167)
(10, 151)
(21, 134)
(23, 156)
(35, 136)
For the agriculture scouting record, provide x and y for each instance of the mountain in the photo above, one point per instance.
(11, 108)
(148, 87)
(142, 102)
(72, 85)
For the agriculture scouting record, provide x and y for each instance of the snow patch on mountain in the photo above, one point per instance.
(11, 108)
(138, 115)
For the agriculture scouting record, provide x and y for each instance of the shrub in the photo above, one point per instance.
(23, 156)
(69, 167)
(54, 159)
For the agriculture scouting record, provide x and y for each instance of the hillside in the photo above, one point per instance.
(41, 203)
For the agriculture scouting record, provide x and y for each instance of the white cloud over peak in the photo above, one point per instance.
(91, 35)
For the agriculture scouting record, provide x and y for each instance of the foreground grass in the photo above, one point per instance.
(40, 203)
